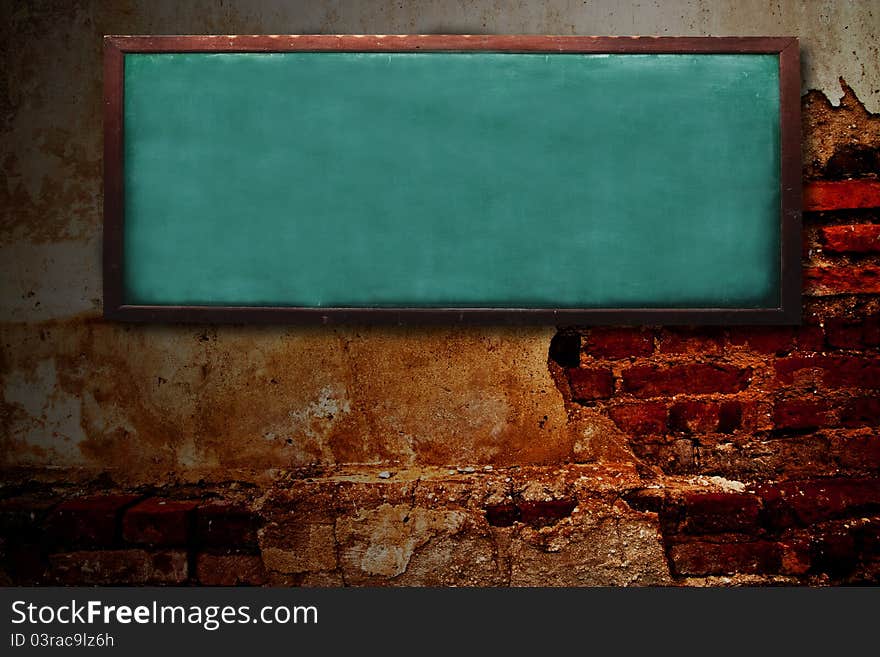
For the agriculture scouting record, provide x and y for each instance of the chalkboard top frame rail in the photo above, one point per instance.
(786, 47)
(522, 43)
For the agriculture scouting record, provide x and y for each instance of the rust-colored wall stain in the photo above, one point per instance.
(142, 400)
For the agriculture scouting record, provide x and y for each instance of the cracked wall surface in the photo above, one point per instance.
(443, 456)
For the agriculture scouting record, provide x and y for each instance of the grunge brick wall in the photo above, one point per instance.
(234, 455)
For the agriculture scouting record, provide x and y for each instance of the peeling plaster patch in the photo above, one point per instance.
(608, 549)
(382, 541)
(318, 418)
(40, 282)
(52, 420)
(316, 421)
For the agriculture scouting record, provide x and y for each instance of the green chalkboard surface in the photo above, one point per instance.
(451, 180)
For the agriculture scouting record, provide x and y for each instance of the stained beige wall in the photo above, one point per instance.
(150, 402)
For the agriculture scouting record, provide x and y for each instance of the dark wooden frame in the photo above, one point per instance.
(788, 312)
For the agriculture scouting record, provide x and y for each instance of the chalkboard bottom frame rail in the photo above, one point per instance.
(450, 316)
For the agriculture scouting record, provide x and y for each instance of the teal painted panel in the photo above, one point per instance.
(452, 180)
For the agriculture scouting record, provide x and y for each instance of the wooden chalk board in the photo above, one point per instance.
(501, 179)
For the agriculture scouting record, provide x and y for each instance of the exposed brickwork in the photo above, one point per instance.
(810, 528)
(684, 340)
(810, 337)
(800, 414)
(640, 419)
(109, 567)
(346, 527)
(593, 383)
(808, 502)
(159, 522)
(717, 513)
(833, 371)
(21, 516)
(851, 238)
(769, 340)
(846, 333)
(223, 525)
(861, 411)
(698, 378)
(89, 521)
(698, 416)
(120, 538)
(832, 280)
(704, 558)
(619, 342)
(823, 195)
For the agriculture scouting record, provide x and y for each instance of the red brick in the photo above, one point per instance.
(796, 552)
(588, 384)
(693, 417)
(690, 340)
(22, 562)
(849, 334)
(859, 454)
(841, 279)
(730, 416)
(640, 419)
(502, 515)
(544, 513)
(868, 536)
(835, 371)
(220, 524)
(119, 567)
(89, 521)
(230, 569)
(808, 502)
(786, 368)
(861, 411)
(716, 513)
(158, 522)
(703, 558)
(854, 238)
(810, 337)
(834, 551)
(821, 196)
(853, 372)
(619, 342)
(534, 513)
(695, 378)
(800, 414)
(764, 339)
(22, 516)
